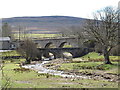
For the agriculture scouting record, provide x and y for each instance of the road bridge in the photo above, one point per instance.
(58, 42)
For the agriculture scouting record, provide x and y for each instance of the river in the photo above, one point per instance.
(5, 50)
(40, 69)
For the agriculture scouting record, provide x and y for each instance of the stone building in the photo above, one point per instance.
(5, 43)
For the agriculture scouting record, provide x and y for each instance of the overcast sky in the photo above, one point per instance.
(76, 8)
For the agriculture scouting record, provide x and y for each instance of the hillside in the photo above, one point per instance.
(43, 23)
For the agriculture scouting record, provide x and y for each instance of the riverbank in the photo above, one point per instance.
(27, 78)
(91, 70)
(60, 73)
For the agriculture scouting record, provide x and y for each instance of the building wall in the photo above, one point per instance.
(5, 45)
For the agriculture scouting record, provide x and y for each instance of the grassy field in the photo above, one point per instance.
(90, 66)
(31, 79)
(96, 56)
(25, 78)
(36, 35)
(10, 53)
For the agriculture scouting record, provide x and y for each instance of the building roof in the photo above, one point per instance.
(4, 38)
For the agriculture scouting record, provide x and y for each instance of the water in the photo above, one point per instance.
(39, 67)
(5, 50)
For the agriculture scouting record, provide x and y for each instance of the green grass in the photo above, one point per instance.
(87, 65)
(96, 56)
(31, 79)
(93, 55)
(90, 67)
(36, 35)
(67, 46)
(10, 53)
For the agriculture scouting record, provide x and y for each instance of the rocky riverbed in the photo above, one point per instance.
(51, 67)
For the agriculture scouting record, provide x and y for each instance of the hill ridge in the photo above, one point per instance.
(50, 23)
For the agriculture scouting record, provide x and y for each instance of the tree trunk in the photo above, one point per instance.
(106, 56)
(28, 61)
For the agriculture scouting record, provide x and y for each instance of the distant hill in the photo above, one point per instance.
(43, 23)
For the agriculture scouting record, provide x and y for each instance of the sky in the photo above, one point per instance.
(76, 8)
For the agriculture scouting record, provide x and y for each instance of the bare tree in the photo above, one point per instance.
(76, 32)
(104, 29)
(79, 34)
(28, 49)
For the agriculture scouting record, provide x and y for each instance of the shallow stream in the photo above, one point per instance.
(40, 69)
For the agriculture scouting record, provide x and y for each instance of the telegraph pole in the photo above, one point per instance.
(19, 33)
(18, 36)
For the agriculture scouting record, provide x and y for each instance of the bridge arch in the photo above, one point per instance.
(48, 55)
(62, 44)
(38, 45)
(65, 45)
(49, 45)
(67, 55)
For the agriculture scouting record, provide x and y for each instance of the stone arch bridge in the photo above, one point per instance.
(57, 42)
(77, 50)
(58, 52)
